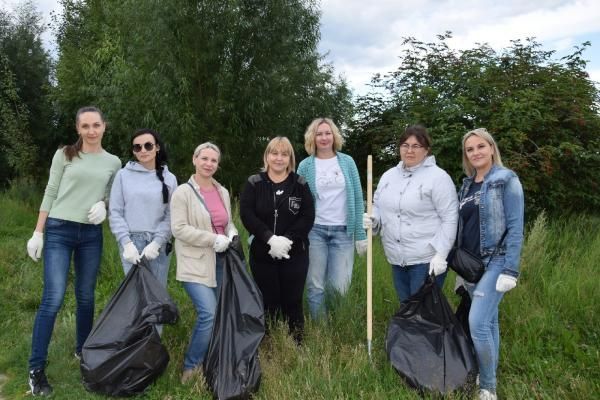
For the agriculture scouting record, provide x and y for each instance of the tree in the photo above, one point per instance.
(26, 113)
(16, 147)
(543, 113)
(236, 73)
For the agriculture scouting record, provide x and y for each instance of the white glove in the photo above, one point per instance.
(280, 246)
(438, 265)
(35, 245)
(505, 283)
(221, 243)
(97, 213)
(361, 247)
(130, 253)
(151, 251)
(367, 221)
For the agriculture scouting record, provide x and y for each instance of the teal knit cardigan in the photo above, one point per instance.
(354, 197)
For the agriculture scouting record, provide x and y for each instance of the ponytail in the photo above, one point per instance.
(71, 151)
(165, 189)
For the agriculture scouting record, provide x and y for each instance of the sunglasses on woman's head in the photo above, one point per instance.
(138, 147)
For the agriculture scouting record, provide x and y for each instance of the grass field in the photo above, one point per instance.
(550, 325)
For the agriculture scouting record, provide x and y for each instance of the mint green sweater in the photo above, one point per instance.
(74, 186)
(354, 198)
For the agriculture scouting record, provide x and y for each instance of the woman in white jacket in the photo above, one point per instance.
(415, 210)
(203, 228)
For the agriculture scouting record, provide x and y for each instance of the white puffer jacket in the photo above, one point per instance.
(415, 212)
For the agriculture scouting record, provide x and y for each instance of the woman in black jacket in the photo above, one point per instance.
(277, 208)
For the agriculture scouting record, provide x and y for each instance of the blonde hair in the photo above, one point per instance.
(208, 145)
(283, 144)
(311, 133)
(485, 135)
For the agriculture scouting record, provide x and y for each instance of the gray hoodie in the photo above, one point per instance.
(136, 203)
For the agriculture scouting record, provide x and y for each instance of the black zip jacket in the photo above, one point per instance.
(263, 214)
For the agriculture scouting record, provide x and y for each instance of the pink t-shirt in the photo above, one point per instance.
(217, 210)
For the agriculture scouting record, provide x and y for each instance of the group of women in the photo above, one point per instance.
(304, 227)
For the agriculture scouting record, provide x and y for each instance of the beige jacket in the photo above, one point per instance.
(194, 236)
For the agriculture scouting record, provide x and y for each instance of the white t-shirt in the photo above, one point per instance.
(331, 192)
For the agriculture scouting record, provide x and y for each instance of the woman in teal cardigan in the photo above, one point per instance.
(335, 185)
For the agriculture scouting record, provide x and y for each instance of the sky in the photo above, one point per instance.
(361, 38)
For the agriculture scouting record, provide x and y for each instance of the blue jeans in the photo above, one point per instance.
(483, 322)
(205, 301)
(331, 258)
(408, 279)
(64, 239)
(159, 266)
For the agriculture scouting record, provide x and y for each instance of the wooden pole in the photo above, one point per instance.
(369, 255)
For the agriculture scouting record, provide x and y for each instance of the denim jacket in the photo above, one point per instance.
(501, 207)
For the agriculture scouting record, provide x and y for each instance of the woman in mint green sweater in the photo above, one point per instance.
(70, 218)
(335, 185)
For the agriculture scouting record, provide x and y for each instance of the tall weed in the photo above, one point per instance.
(549, 324)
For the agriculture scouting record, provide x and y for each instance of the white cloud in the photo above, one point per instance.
(366, 39)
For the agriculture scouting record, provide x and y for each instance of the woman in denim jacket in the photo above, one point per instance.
(490, 203)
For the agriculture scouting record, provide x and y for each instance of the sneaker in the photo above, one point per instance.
(485, 394)
(187, 375)
(39, 383)
(77, 355)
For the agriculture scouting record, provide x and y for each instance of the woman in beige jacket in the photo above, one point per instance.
(203, 228)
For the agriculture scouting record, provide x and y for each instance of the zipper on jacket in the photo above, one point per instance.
(275, 214)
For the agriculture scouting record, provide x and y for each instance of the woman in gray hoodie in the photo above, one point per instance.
(139, 205)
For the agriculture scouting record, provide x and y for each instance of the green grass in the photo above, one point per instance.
(549, 323)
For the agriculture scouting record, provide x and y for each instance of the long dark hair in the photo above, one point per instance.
(73, 150)
(161, 158)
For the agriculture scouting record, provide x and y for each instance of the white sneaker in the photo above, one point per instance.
(485, 394)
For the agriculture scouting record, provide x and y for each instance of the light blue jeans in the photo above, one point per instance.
(483, 322)
(65, 240)
(205, 301)
(331, 259)
(408, 279)
(159, 266)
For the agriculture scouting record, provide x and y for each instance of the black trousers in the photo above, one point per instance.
(282, 285)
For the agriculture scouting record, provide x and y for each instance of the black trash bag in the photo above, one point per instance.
(123, 354)
(231, 365)
(462, 311)
(427, 345)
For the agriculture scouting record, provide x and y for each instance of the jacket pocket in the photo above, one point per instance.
(193, 251)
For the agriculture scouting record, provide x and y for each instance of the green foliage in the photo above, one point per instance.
(543, 113)
(25, 112)
(15, 142)
(236, 73)
(550, 324)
